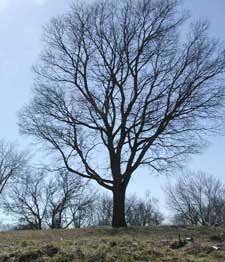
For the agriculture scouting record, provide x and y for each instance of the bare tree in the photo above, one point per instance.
(104, 210)
(61, 191)
(81, 211)
(197, 199)
(39, 198)
(143, 212)
(26, 199)
(12, 163)
(116, 89)
(68, 201)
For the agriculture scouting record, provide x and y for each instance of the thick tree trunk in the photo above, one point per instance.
(119, 219)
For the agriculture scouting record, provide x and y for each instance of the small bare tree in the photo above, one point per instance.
(39, 198)
(143, 212)
(116, 89)
(26, 199)
(197, 198)
(68, 201)
(12, 163)
(104, 210)
(60, 192)
(81, 211)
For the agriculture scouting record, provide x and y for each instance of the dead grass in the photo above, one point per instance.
(106, 245)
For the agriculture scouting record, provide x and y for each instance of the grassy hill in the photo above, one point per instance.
(105, 244)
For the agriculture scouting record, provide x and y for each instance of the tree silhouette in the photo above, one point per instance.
(117, 89)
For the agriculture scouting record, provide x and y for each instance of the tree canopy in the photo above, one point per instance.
(119, 87)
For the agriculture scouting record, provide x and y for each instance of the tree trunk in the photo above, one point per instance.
(119, 219)
(39, 224)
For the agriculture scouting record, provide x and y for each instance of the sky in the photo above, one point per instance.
(21, 23)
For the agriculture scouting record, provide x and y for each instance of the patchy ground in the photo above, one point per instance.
(106, 245)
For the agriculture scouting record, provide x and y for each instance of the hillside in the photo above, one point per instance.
(104, 244)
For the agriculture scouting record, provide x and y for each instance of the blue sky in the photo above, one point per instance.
(21, 24)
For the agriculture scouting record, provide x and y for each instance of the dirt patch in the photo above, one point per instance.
(28, 257)
(31, 255)
(218, 238)
(50, 250)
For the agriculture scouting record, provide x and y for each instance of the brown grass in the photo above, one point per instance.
(106, 245)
